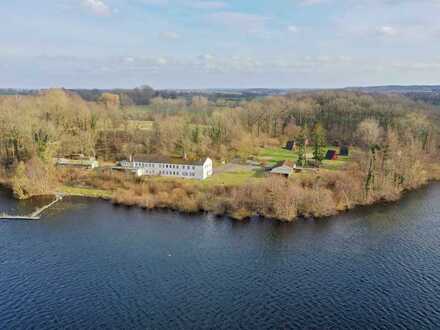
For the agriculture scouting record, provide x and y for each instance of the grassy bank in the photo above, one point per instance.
(85, 192)
(243, 191)
(247, 193)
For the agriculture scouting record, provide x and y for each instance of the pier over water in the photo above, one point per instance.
(36, 215)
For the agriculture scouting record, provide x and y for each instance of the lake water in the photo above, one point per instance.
(88, 264)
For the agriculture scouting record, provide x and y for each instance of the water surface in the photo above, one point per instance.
(88, 264)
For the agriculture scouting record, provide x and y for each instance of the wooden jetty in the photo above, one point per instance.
(33, 216)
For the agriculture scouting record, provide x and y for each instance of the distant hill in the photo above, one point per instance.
(422, 93)
(397, 89)
(225, 93)
(140, 96)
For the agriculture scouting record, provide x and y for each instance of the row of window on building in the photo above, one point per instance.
(152, 172)
(184, 167)
(176, 173)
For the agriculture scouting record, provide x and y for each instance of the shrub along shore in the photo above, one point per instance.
(304, 195)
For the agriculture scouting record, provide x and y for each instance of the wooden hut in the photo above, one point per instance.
(290, 145)
(344, 151)
(284, 169)
(331, 155)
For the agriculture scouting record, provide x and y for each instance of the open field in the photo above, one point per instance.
(85, 192)
(274, 155)
(234, 177)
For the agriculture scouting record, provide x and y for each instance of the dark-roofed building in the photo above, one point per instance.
(331, 155)
(290, 145)
(344, 151)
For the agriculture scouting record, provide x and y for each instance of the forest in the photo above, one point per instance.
(395, 143)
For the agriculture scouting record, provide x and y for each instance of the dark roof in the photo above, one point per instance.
(166, 160)
(290, 145)
(344, 150)
(330, 154)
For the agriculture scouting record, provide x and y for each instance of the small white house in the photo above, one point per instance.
(180, 169)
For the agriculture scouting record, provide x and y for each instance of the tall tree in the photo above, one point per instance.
(319, 142)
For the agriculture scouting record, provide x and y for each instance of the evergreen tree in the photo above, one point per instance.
(302, 152)
(318, 136)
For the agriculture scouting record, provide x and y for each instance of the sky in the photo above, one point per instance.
(218, 43)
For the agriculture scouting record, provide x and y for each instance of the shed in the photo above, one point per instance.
(290, 145)
(284, 168)
(344, 151)
(331, 155)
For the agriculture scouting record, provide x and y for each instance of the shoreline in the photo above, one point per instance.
(105, 195)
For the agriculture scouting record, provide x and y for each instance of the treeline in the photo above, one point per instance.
(429, 98)
(193, 127)
(126, 97)
(398, 138)
(60, 122)
(387, 163)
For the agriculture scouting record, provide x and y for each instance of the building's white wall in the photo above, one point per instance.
(199, 172)
(207, 168)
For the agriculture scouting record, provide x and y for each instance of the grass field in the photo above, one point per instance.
(335, 164)
(85, 192)
(274, 155)
(233, 178)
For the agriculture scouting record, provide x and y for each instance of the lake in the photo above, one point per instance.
(89, 264)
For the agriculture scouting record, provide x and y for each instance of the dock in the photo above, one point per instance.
(18, 217)
(36, 215)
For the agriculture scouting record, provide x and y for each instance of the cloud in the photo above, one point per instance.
(292, 28)
(387, 31)
(206, 4)
(154, 2)
(195, 4)
(238, 20)
(312, 2)
(97, 7)
(213, 70)
(169, 35)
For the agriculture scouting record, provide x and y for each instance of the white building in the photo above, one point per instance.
(180, 169)
(86, 162)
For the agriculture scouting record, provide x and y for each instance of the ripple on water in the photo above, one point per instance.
(91, 265)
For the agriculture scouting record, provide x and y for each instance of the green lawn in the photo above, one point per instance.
(273, 155)
(335, 164)
(225, 178)
(233, 178)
